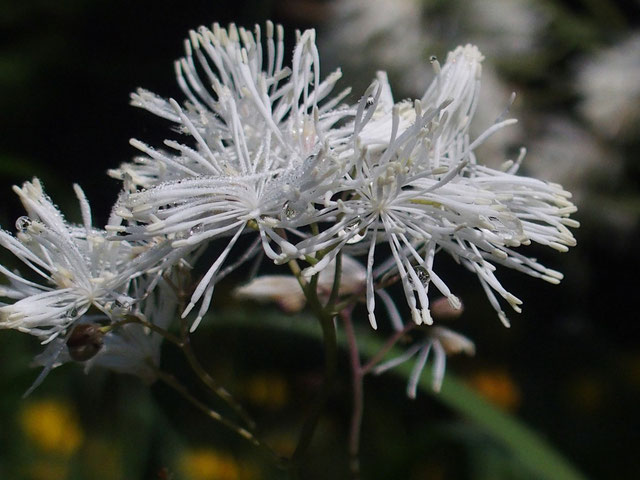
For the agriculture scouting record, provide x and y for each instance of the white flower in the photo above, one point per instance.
(442, 342)
(415, 184)
(78, 267)
(130, 348)
(609, 84)
(263, 139)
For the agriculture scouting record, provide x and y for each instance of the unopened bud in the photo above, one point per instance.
(85, 341)
(441, 309)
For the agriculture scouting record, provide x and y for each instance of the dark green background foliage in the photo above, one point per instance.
(570, 362)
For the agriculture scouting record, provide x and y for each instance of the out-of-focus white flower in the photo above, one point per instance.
(496, 101)
(441, 309)
(365, 35)
(442, 342)
(565, 153)
(281, 289)
(286, 291)
(504, 28)
(78, 267)
(369, 35)
(609, 84)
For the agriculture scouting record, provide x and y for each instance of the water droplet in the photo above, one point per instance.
(196, 229)
(370, 101)
(73, 313)
(123, 302)
(124, 305)
(422, 275)
(23, 223)
(289, 211)
(353, 225)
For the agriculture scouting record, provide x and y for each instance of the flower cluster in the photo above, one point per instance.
(80, 277)
(271, 151)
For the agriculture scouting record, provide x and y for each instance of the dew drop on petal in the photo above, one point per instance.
(289, 211)
(123, 302)
(23, 223)
(196, 229)
(422, 275)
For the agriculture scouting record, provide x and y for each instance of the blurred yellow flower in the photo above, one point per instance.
(267, 390)
(208, 464)
(497, 386)
(51, 426)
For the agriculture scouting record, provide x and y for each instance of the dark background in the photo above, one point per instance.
(569, 366)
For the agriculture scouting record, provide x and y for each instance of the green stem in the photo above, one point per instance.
(535, 455)
(388, 345)
(335, 288)
(330, 367)
(172, 382)
(357, 396)
(297, 272)
(331, 357)
(210, 383)
(145, 323)
(205, 378)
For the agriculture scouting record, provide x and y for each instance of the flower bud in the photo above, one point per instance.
(85, 341)
(441, 309)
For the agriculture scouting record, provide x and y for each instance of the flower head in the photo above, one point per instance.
(262, 141)
(77, 266)
(415, 184)
(77, 276)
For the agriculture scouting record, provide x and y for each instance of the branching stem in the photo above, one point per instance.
(172, 382)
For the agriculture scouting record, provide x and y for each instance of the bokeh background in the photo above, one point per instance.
(570, 365)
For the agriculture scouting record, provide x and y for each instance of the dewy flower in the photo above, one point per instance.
(79, 269)
(263, 141)
(415, 184)
(272, 153)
